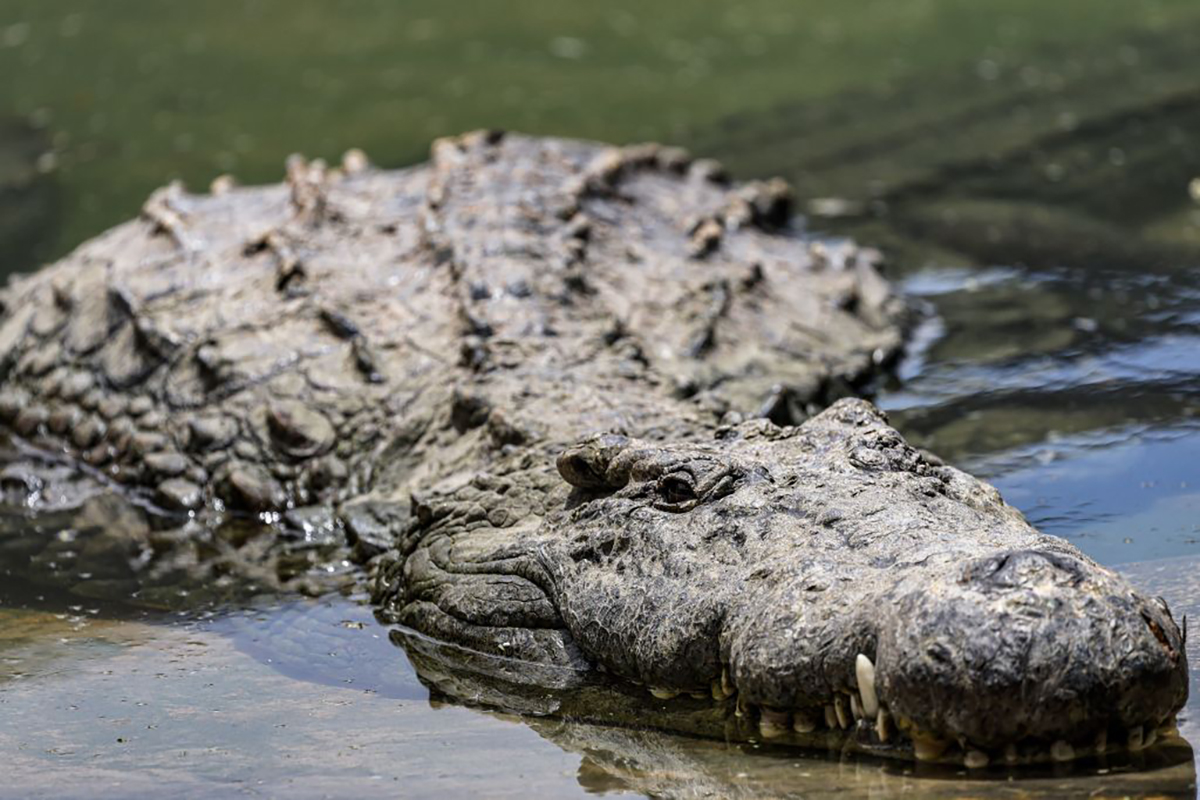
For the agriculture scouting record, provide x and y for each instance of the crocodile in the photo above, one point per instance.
(589, 419)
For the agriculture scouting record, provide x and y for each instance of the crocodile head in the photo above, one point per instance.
(839, 583)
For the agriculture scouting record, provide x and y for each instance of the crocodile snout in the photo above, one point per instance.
(1031, 650)
(1024, 655)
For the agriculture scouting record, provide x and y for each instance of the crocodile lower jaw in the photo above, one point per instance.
(858, 721)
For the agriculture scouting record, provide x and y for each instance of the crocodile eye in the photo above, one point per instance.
(676, 488)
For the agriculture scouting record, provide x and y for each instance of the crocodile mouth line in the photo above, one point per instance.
(860, 720)
(855, 721)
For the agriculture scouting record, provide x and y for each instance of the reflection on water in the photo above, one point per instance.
(305, 697)
(1118, 496)
(1026, 167)
(1020, 357)
(1078, 399)
(185, 714)
(329, 641)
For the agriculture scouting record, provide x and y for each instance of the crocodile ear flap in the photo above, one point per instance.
(594, 463)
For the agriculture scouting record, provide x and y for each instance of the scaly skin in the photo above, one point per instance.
(550, 390)
(823, 573)
(303, 343)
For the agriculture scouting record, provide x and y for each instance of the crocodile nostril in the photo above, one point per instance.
(576, 471)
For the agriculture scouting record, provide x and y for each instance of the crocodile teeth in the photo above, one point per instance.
(927, 752)
(773, 723)
(975, 759)
(663, 694)
(839, 709)
(831, 719)
(718, 691)
(803, 722)
(927, 748)
(1011, 754)
(1062, 751)
(726, 684)
(855, 710)
(769, 730)
(1135, 738)
(1102, 742)
(883, 724)
(864, 670)
(1150, 738)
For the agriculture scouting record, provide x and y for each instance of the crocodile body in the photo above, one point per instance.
(565, 403)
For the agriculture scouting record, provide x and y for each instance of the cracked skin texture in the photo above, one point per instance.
(552, 390)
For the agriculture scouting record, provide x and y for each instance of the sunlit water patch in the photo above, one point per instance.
(1120, 496)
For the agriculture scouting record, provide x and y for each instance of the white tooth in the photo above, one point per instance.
(975, 759)
(717, 692)
(883, 724)
(803, 722)
(1010, 753)
(855, 711)
(864, 670)
(771, 730)
(1062, 751)
(1150, 738)
(698, 695)
(1135, 738)
(663, 694)
(726, 684)
(839, 708)
(928, 749)
(925, 752)
(830, 717)
(1102, 742)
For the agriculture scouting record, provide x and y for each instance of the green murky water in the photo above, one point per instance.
(1028, 168)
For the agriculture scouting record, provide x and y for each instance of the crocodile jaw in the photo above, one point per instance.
(1020, 657)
